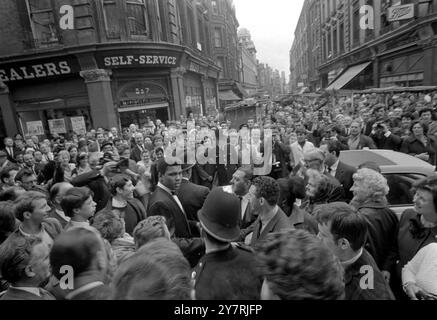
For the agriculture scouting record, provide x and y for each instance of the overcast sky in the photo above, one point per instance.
(271, 24)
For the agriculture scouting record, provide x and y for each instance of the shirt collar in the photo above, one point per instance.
(31, 290)
(351, 261)
(335, 165)
(62, 215)
(80, 223)
(119, 204)
(165, 188)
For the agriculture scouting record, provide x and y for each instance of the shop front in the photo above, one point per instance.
(403, 70)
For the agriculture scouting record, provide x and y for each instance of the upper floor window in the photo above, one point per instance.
(42, 22)
(217, 38)
(214, 5)
(137, 17)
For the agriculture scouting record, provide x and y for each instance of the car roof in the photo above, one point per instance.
(389, 161)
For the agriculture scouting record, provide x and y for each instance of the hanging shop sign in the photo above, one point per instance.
(38, 69)
(403, 12)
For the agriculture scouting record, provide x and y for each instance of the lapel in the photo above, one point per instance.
(244, 205)
(270, 226)
(340, 170)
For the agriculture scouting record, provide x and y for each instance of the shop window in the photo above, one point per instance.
(137, 17)
(42, 22)
(214, 6)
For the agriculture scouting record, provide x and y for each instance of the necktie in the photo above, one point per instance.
(175, 197)
(11, 152)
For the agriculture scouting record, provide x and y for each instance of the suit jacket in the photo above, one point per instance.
(50, 225)
(392, 142)
(228, 274)
(15, 151)
(163, 204)
(192, 197)
(353, 280)
(344, 175)
(279, 222)
(53, 214)
(365, 142)
(136, 153)
(382, 237)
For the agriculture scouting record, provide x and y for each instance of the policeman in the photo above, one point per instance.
(228, 270)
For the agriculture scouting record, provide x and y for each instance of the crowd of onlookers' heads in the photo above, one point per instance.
(134, 225)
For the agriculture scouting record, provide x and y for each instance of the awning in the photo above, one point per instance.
(228, 95)
(347, 76)
(143, 107)
(242, 90)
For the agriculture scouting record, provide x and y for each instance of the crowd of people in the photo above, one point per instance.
(133, 222)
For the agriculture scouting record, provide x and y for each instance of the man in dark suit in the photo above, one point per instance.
(344, 231)
(138, 147)
(192, 196)
(57, 191)
(29, 162)
(227, 271)
(339, 170)
(25, 265)
(10, 149)
(271, 218)
(165, 202)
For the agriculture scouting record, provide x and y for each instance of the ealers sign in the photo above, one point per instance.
(402, 12)
(35, 70)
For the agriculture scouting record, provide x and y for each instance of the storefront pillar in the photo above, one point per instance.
(204, 97)
(430, 71)
(6, 106)
(98, 84)
(178, 92)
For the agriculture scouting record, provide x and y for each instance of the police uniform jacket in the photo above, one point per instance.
(228, 274)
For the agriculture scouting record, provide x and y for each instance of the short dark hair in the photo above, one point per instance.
(407, 115)
(163, 164)
(25, 203)
(109, 224)
(267, 188)
(6, 173)
(334, 146)
(424, 127)
(423, 110)
(77, 248)
(345, 223)
(298, 266)
(15, 255)
(74, 199)
(25, 172)
(118, 181)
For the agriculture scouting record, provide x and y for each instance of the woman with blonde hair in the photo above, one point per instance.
(370, 189)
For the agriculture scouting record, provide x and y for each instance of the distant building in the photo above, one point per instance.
(249, 67)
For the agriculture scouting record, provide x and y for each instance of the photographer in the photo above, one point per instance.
(384, 138)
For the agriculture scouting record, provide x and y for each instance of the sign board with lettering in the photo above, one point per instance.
(134, 60)
(57, 126)
(34, 128)
(141, 93)
(38, 69)
(402, 12)
(78, 125)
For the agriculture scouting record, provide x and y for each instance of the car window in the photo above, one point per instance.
(400, 188)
